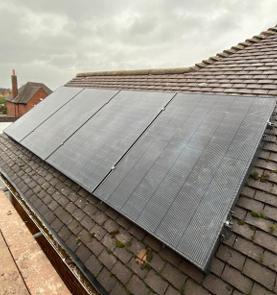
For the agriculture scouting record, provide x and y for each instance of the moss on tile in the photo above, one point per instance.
(261, 260)
(114, 232)
(240, 222)
(92, 235)
(159, 275)
(258, 215)
(182, 289)
(109, 251)
(272, 228)
(149, 254)
(128, 244)
(146, 266)
(252, 227)
(119, 244)
(264, 177)
(255, 175)
(255, 214)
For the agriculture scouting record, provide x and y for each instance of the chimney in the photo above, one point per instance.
(14, 85)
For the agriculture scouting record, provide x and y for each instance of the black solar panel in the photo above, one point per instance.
(88, 156)
(181, 178)
(173, 164)
(32, 119)
(52, 133)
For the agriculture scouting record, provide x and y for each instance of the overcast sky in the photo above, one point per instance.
(51, 41)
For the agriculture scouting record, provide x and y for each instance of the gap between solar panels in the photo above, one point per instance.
(172, 163)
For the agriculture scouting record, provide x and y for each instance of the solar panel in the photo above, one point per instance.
(89, 154)
(173, 164)
(53, 132)
(27, 123)
(180, 179)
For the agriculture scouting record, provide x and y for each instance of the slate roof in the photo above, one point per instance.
(124, 257)
(27, 91)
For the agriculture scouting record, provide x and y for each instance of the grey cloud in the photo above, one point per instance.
(50, 41)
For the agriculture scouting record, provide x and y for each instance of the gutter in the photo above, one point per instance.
(74, 265)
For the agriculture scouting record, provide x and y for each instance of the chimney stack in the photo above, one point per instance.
(14, 85)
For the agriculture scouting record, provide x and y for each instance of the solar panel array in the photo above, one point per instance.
(171, 163)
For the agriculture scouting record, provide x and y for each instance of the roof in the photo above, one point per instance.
(122, 256)
(27, 91)
(246, 69)
(3, 90)
(194, 155)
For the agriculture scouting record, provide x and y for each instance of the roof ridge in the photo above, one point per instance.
(197, 67)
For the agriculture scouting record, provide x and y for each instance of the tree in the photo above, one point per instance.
(3, 105)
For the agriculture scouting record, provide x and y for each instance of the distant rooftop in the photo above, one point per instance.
(26, 92)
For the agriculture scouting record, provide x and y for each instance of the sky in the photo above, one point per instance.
(51, 41)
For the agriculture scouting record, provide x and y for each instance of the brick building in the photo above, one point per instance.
(5, 92)
(21, 100)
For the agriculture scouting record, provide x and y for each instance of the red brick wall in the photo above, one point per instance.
(24, 108)
(11, 109)
(19, 110)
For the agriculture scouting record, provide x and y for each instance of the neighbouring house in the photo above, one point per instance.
(21, 100)
(5, 92)
(106, 250)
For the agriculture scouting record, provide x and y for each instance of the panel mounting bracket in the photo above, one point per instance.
(269, 125)
(227, 228)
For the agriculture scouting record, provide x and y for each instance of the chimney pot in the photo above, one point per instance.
(14, 85)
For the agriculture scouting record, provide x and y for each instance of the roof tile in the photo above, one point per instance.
(217, 285)
(136, 286)
(156, 282)
(266, 240)
(235, 278)
(173, 276)
(194, 289)
(106, 280)
(259, 273)
(248, 248)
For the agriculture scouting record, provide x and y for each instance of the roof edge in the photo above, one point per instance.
(197, 67)
(139, 72)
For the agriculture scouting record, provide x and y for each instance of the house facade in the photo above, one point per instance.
(21, 100)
